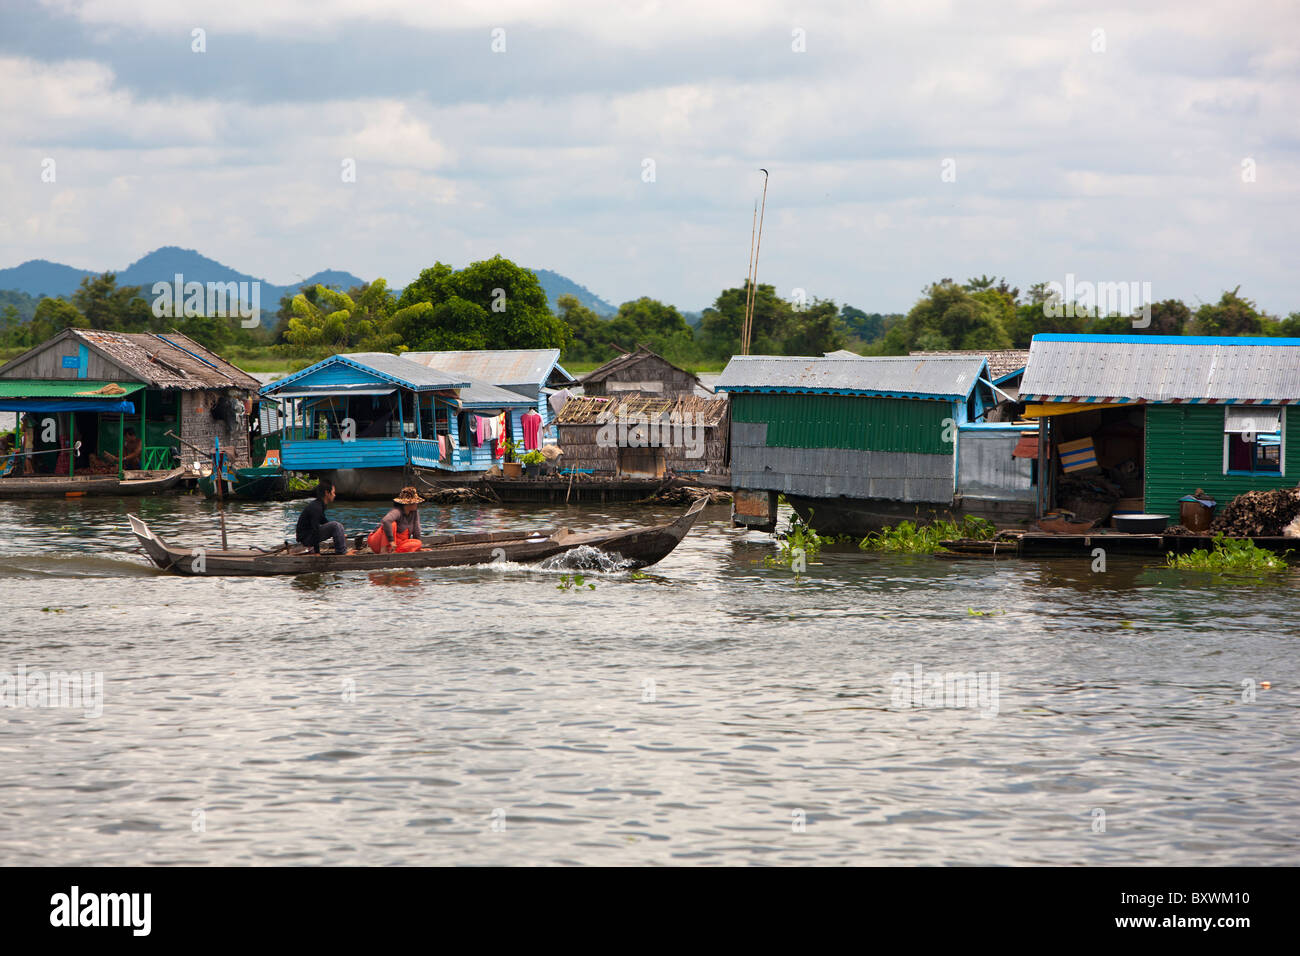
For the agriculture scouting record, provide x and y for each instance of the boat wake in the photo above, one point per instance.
(587, 558)
(72, 566)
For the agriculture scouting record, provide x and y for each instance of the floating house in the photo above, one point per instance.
(1136, 422)
(645, 437)
(642, 372)
(366, 419)
(535, 374)
(854, 443)
(88, 393)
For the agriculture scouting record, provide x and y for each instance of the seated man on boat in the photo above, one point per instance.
(314, 527)
(399, 531)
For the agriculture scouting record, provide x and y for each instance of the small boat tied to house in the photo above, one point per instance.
(638, 547)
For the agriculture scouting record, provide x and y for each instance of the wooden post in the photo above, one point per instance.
(121, 442)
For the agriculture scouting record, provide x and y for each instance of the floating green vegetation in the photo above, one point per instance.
(299, 482)
(907, 538)
(569, 583)
(801, 544)
(1229, 556)
(971, 612)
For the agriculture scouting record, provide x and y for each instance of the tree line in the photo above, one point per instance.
(498, 304)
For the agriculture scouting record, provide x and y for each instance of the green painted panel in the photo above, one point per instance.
(861, 423)
(1184, 451)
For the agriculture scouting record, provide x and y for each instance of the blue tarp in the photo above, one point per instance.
(66, 405)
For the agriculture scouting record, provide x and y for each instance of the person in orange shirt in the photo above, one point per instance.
(399, 530)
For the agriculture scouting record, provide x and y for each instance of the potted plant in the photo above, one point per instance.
(511, 468)
(532, 462)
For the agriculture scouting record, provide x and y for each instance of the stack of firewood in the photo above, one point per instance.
(1259, 513)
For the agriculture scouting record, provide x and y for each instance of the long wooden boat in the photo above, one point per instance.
(51, 486)
(640, 546)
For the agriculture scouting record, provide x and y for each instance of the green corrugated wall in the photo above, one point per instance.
(862, 423)
(1184, 451)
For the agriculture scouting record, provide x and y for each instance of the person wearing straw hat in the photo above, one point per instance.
(399, 530)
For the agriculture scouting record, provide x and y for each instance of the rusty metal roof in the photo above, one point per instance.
(168, 360)
(594, 410)
(1002, 362)
(1161, 368)
(946, 377)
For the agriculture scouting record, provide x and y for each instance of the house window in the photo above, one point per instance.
(1253, 440)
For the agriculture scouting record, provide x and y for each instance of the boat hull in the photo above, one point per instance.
(640, 547)
(150, 483)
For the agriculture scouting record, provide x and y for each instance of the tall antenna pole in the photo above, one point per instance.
(753, 293)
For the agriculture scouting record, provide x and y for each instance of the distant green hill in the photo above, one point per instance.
(557, 285)
(24, 303)
(39, 277)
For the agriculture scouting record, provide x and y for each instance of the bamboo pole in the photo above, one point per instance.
(758, 246)
(749, 280)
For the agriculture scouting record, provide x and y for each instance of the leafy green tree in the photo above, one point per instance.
(53, 316)
(111, 308)
(515, 310)
(587, 332)
(951, 317)
(1290, 326)
(450, 325)
(1231, 315)
(815, 330)
(721, 323)
(325, 321)
(861, 325)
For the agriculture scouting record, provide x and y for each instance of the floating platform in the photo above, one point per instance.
(1032, 544)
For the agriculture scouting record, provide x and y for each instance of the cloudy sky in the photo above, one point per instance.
(907, 140)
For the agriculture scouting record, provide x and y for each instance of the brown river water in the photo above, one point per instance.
(709, 710)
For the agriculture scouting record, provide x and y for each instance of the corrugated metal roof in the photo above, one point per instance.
(170, 360)
(900, 375)
(483, 395)
(1002, 362)
(78, 388)
(386, 366)
(1137, 368)
(496, 366)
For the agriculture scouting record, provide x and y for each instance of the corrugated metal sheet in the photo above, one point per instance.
(903, 375)
(481, 395)
(1184, 451)
(833, 472)
(1002, 362)
(1160, 369)
(866, 423)
(502, 367)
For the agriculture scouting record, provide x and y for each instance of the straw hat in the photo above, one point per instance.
(409, 496)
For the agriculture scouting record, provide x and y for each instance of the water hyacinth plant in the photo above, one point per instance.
(799, 539)
(908, 538)
(1229, 556)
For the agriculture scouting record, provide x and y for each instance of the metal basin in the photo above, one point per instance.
(1141, 523)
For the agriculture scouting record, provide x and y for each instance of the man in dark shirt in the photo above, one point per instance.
(314, 528)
